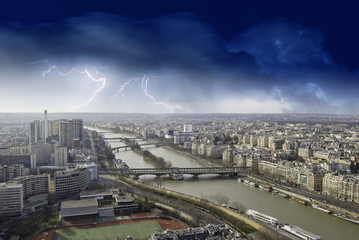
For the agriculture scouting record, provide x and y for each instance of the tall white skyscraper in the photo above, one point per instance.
(46, 128)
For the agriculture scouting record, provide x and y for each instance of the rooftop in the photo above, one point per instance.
(79, 203)
(10, 185)
(95, 193)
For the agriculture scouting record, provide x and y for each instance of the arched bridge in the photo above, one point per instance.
(177, 173)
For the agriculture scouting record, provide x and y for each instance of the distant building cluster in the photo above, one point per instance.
(39, 165)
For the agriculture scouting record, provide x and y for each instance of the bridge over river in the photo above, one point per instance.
(177, 173)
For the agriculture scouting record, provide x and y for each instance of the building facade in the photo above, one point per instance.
(34, 184)
(29, 161)
(70, 182)
(9, 172)
(11, 199)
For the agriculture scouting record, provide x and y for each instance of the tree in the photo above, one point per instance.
(220, 199)
(239, 206)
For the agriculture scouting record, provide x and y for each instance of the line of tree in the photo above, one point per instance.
(160, 161)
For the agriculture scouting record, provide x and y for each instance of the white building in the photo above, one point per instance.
(187, 128)
(92, 167)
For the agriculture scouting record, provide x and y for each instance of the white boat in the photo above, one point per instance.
(321, 209)
(283, 195)
(301, 233)
(346, 218)
(263, 217)
(266, 188)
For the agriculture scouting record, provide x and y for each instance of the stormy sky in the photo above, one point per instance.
(180, 56)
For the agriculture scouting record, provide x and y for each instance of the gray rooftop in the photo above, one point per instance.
(95, 193)
(79, 203)
(79, 207)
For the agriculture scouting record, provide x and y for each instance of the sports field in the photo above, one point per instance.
(138, 230)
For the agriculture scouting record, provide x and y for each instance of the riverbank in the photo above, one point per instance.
(236, 220)
(292, 193)
(288, 211)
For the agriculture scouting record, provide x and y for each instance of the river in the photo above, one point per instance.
(286, 210)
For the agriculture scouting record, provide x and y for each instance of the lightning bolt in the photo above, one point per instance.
(85, 71)
(279, 93)
(144, 86)
(122, 88)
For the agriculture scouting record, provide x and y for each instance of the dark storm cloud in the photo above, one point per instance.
(282, 42)
(278, 60)
(293, 59)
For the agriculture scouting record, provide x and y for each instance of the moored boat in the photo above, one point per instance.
(263, 217)
(315, 206)
(283, 195)
(302, 202)
(301, 233)
(346, 218)
(252, 184)
(266, 188)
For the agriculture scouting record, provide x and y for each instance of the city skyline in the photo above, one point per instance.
(180, 58)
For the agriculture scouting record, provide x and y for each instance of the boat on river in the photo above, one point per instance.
(301, 233)
(342, 216)
(266, 188)
(302, 202)
(263, 217)
(283, 195)
(315, 206)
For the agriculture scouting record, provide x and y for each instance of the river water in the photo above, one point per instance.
(286, 210)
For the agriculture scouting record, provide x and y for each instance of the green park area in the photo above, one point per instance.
(141, 230)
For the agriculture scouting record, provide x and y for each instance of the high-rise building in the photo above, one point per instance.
(78, 128)
(43, 152)
(60, 156)
(11, 199)
(44, 128)
(64, 132)
(9, 172)
(71, 133)
(55, 128)
(27, 160)
(34, 132)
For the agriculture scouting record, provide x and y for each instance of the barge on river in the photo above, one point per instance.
(315, 206)
(301, 233)
(263, 217)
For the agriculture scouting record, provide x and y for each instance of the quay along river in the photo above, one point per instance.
(286, 210)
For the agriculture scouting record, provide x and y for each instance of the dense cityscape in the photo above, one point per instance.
(179, 120)
(57, 169)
